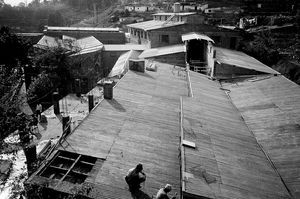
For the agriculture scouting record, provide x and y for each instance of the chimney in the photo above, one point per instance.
(55, 100)
(108, 89)
(66, 125)
(176, 7)
(91, 102)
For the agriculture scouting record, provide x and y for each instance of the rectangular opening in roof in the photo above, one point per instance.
(69, 167)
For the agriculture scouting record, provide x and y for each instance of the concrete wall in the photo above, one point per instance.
(109, 59)
(104, 37)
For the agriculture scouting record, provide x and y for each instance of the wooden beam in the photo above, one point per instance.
(182, 156)
(68, 171)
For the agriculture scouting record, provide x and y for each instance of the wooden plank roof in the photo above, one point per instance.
(227, 162)
(139, 125)
(271, 109)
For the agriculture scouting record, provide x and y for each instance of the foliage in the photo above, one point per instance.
(56, 19)
(40, 87)
(15, 52)
(54, 61)
(262, 47)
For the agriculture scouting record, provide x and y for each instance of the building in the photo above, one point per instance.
(165, 29)
(201, 55)
(105, 35)
(85, 59)
(139, 8)
(225, 148)
(111, 53)
(192, 6)
(230, 132)
(270, 7)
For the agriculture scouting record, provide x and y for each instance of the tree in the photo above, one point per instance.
(12, 120)
(55, 19)
(14, 51)
(262, 47)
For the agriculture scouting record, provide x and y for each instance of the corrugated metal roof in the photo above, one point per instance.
(240, 59)
(88, 42)
(47, 41)
(30, 34)
(53, 28)
(172, 13)
(122, 64)
(194, 35)
(271, 109)
(124, 47)
(166, 50)
(84, 45)
(227, 161)
(152, 25)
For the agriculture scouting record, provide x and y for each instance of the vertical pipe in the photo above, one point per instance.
(108, 90)
(66, 125)
(55, 100)
(91, 102)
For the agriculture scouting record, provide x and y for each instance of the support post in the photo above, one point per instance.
(91, 102)
(55, 100)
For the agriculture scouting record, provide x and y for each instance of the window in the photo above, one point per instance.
(165, 38)
(70, 167)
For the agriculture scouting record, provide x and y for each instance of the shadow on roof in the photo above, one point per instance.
(114, 103)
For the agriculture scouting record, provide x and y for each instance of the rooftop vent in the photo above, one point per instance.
(137, 65)
(108, 89)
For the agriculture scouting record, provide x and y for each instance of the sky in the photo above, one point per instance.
(15, 2)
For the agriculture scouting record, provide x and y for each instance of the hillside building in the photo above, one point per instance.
(139, 8)
(105, 35)
(165, 29)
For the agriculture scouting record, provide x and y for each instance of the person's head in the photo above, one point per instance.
(139, 167)
(168, 188)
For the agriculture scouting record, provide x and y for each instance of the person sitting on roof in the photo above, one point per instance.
(135, 177)
(163, 192)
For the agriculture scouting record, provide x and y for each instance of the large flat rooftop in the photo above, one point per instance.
(142, 123)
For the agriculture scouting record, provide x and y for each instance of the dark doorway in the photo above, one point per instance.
(197, 55)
